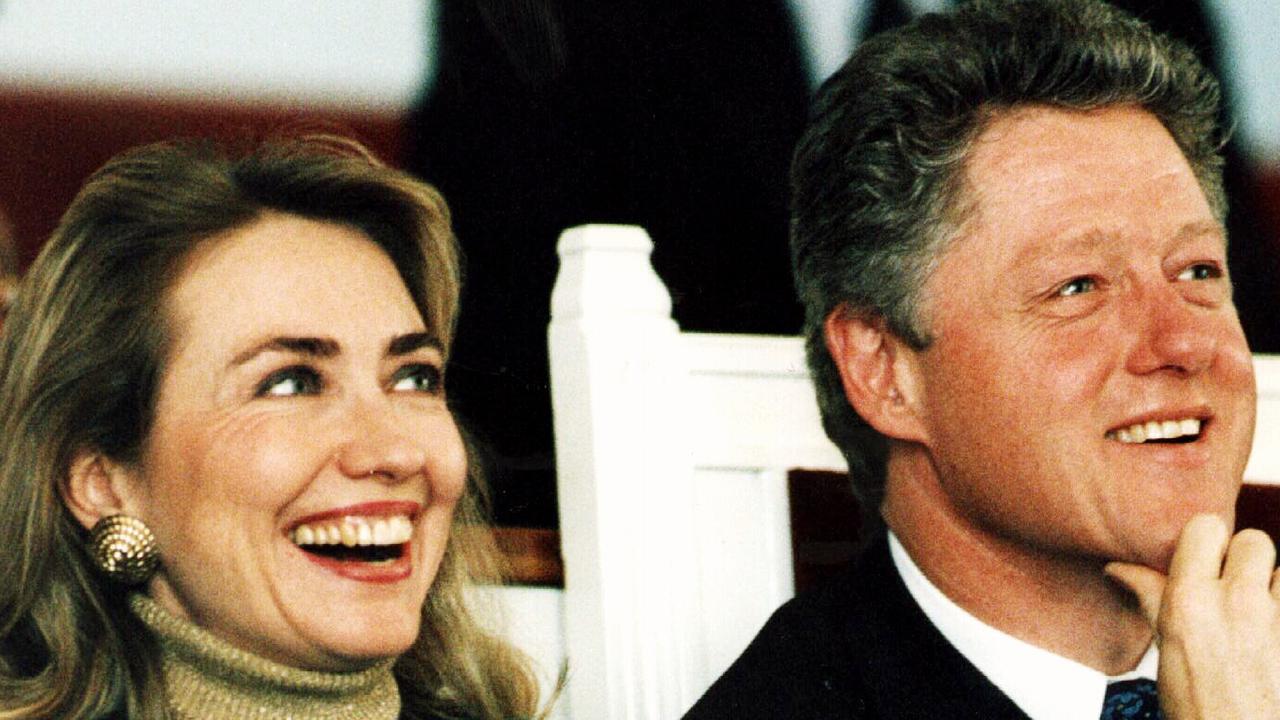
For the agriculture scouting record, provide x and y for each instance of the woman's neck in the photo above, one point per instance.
(210, 679)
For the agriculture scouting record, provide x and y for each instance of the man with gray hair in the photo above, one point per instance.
(1008, 238)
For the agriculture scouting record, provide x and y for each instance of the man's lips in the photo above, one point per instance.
(1180, 426)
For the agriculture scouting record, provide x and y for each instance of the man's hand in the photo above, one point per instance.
(1217, 623)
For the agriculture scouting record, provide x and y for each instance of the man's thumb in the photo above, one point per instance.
(1146, 584)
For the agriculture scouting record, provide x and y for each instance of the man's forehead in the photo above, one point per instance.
(1029, 137)
(1073, 176)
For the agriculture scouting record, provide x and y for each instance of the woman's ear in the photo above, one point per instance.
(878, 371)
(95, 487)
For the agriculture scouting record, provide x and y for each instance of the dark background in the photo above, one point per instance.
(676, 116)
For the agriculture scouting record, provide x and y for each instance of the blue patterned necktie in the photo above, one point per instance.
(1132, 700)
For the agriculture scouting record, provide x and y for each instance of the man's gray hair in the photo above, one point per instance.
(878, 177)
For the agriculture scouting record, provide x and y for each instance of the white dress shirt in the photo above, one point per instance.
(1044, 685)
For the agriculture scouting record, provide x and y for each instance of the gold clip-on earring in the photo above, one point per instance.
(124, 549)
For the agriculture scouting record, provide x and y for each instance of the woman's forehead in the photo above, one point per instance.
(290, 276)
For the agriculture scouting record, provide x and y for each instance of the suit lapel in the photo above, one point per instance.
(913, 672)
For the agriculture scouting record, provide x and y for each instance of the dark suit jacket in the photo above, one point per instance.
(859, 647)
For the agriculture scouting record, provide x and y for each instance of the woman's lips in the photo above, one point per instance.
(381, 571)
(367, 542)
(354, 531)
(380, 508)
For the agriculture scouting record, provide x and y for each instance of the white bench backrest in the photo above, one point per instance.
(1264, 461)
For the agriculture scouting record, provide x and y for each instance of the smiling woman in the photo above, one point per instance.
(229, 475)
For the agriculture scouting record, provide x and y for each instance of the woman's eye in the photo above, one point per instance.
(1200, 271)
(418, 378)
(290, 381)
(1077, 286)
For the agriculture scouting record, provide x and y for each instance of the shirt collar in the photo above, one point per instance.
(1046, 686)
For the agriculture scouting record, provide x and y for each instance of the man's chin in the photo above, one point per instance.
(1160, 559)
(1158, 553)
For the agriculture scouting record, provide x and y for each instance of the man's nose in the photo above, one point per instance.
(1173, 335)
(377, 445)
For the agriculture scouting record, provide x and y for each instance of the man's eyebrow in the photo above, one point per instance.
(405, 344)
(1094, 237)
(1063, 245)
(1199, 228)
(312, 346)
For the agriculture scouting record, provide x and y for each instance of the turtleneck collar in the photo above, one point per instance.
(208, 678)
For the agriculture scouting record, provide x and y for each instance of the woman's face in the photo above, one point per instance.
(300, 410)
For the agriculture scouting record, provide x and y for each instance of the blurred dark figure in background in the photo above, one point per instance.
(676, 116)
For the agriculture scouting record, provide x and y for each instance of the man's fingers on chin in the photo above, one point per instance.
(1200, 549)
(1251, 559)
(1146, 584)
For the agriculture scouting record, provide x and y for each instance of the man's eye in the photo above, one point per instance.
(1200, 271)
(1077, 286)
(290, 381)
(418, 378)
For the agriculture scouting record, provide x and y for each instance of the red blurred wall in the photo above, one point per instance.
(50, 141)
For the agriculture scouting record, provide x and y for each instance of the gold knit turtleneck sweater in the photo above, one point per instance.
(209, 679)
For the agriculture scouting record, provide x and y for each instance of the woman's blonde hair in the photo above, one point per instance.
(9, 267)
(81, 357)
(8, 248)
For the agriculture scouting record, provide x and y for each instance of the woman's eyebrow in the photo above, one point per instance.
(405, 344)
(312, 346)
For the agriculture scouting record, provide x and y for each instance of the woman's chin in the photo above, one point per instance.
(360, 659)
(351, 618)
(352, 650)
(359, 634)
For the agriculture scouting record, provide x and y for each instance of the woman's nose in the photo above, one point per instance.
(378, 446)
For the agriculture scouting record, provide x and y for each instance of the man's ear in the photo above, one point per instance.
(95, 487)
(878, 371)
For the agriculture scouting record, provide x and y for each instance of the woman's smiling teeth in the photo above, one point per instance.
(1156, 430)
(353, 531)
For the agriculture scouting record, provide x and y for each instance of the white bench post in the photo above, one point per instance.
(631, 591)
(1264, 461)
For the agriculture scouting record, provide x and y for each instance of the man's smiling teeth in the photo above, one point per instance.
(1156, 430)
(355, 531)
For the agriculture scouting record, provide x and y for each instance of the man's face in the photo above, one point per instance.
(1084, 303)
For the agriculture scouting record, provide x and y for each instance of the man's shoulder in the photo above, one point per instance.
(807, 660)
(858, 648)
